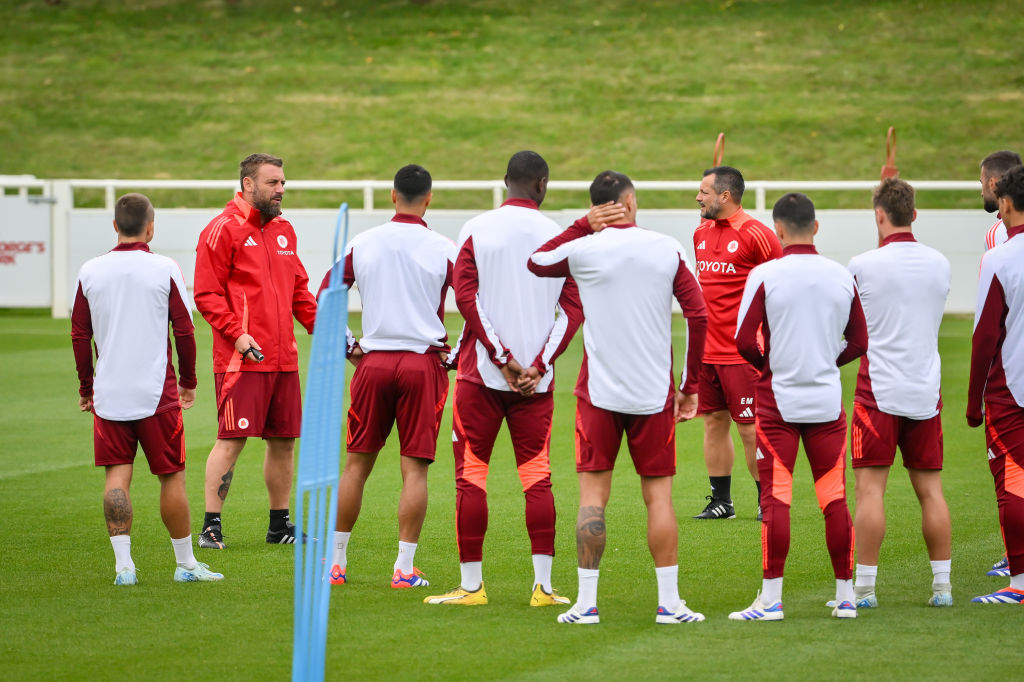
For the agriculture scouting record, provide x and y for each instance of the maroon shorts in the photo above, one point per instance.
(728, 387)
(400, 387)
(651, 439)
(875, 435)
(162, 437)
(263, 404)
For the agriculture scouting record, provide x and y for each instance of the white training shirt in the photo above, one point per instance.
(903, 287)
(403, 270)
(807, 301)
(128, 294)
(513, 309)
(626, 277)
(997, 357)
(995, 235)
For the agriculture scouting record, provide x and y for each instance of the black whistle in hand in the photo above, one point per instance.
(256, 355)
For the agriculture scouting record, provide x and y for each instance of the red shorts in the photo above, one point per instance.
(651, 439)
(875, 435)
(263, 404)
(162, 437)
(400, 387)
(728, 387)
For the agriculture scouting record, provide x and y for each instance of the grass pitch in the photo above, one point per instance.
(348, 89)
(64, 619)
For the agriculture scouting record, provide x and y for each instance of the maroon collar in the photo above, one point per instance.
(799, 249)
(522, 203)
(132, 246)
(1014, 231)
(620, 226)
(899, 237)
(408, 218)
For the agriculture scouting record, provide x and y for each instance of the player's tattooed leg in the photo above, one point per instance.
(117, 509)
(590, 536)
(225, 483)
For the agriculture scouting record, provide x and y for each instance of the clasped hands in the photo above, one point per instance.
(522, 381)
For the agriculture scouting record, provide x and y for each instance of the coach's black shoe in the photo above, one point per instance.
(211, 538)
(285, 536)
(717, 509)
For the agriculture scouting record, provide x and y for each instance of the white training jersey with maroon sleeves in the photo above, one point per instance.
(403, 270)
(124, 301)
(627, 277)
(902, 287)
(507, 309)
(997, 353)
(804, 304)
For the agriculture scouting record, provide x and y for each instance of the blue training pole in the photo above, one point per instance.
(316, 496)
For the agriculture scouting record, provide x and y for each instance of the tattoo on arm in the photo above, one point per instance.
(225, 483)
(117, 509)
(590, 536)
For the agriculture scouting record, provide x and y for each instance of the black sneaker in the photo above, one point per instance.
(211, 538)
(286, 536)
(717, 509)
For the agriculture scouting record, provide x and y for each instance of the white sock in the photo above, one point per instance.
(122, 545)
(406, 553)
(771, 591)
(183, 552)
(668, 586)
(588, 588)
(940, 571)
(341, 548)
(542, 571)
(1017, 581)
(472, 575)
(844, 591)
(866, 575)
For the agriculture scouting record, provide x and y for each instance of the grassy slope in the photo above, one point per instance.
(355, 89)
(64, 620)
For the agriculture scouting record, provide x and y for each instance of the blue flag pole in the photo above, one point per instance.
(316, 493)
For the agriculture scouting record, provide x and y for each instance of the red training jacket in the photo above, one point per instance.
(249, 280)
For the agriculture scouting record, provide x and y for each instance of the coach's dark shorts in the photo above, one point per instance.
(263, 404)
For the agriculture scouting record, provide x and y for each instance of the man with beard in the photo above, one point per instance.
(993, 167)
(728, 245)
(249, 283)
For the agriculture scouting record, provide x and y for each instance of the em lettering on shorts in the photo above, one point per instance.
(728, 387)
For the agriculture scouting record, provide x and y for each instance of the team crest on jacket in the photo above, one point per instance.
(733, 246)
(282, 241)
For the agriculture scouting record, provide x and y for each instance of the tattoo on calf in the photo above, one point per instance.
(117, 510)
(225, 483)
(590, 536)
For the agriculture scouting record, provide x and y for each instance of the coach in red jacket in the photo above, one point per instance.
(249, 283)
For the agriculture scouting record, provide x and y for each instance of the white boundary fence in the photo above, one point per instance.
(66, 249)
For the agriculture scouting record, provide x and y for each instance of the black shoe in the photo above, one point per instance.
(285, 536)
(717, 509)
(211, 538)
(760, 516)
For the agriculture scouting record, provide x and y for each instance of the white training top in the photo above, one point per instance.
(128, 294)
(626, 277)
(807, 302)
(514, 309)
(995, 235)
(903, 287)
(1000, 292)
(403, 270)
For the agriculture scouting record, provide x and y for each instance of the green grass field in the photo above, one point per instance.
(63, 618)
(347, 89)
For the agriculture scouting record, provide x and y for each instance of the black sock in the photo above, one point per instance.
(278, 519)
(211, 519)
(720, 487)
